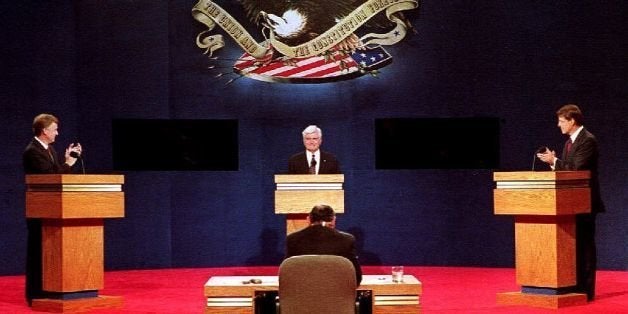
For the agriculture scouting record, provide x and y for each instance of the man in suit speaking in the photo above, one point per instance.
(40, 157)
(313, 160)
(580, 153)
(321, 237)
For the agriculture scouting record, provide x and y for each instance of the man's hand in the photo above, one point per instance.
(72, 148)
(547, 157)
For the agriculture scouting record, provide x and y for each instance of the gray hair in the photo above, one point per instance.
(312, 129)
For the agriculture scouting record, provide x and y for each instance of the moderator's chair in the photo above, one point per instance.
(317, 284)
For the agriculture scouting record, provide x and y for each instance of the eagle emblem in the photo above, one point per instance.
(306, 41)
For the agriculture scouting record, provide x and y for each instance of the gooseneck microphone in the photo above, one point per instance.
(539, 150)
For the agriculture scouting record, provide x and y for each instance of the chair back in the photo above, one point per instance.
(317, 284)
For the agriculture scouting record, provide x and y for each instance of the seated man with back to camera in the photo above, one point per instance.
(322, 238)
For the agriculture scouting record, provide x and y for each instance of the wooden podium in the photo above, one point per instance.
(296, 194)
(72, 209)
(544, 205)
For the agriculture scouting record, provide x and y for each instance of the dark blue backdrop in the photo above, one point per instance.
(89, 62)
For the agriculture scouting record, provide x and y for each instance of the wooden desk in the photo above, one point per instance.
(228, 294)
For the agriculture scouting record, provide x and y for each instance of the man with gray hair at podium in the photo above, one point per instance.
(313, 160)
(321, 237)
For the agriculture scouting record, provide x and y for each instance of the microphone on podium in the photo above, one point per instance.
(539, 150)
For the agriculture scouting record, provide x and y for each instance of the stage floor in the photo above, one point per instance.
(445, 290)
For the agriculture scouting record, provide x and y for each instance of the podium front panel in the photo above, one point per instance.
(542, 201)
(72, 252)
(545, 251)
(72, 196)
(302, 201)
(71, 205)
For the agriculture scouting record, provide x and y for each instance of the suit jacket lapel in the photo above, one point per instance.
(306, 163)
(50, 154)
(575, 144)
(321, 168)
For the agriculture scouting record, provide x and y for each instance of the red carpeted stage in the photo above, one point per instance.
(445, 290)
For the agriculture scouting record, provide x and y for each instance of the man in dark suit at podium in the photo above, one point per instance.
(41, 158)
(321, 237)
(313, 160)
(580, 153)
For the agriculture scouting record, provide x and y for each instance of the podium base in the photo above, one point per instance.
(76, 305)
(541, 300)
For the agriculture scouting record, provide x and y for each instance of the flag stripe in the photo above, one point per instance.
(337, 64)
(309, 67)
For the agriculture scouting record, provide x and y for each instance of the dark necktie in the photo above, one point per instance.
(568, 145)
(50, 154)
(313, 165)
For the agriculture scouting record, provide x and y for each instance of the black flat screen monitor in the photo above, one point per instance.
(175, 145)
(437, 143)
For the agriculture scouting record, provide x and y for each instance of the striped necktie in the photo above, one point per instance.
(313, 165)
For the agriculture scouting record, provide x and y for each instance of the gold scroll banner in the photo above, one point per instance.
(345, 27)
(400, 30)
(210, 14)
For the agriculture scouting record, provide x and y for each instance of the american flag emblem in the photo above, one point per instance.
(331, 67)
